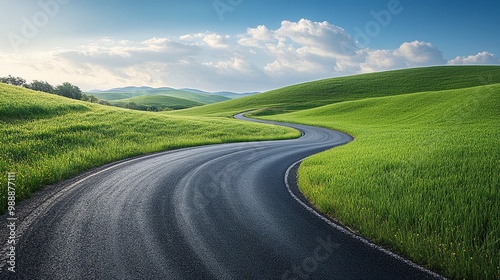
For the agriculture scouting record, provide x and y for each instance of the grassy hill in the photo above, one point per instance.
(157, 101)
(47, 138)
(422, 176)
(324, 92)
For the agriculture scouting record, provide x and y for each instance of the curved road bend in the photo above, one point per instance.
(211, 212)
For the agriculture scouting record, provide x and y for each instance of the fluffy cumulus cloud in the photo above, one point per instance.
(303, 50)
(480, 58)
(411, 54)
(258, 59)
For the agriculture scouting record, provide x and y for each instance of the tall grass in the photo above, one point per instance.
(422, 176)
(46, 138)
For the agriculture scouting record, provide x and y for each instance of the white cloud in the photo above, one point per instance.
(302, 50)
(410, 54)
(256, 36)
(320, 38)
(258, 59)
(419, 54)
(211, 40)
(480, 58)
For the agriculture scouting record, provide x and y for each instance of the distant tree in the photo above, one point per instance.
(131, 105)
(104, 102)
(15, 81)
(90, 98)
(151, 108)
(69, 90)
(93, 99)
(41, 86)
(85, 97)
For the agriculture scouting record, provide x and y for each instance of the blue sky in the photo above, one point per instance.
(238, 45)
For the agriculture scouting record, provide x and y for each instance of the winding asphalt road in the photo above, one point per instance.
(210, 212)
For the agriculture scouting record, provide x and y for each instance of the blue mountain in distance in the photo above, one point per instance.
(130, 89)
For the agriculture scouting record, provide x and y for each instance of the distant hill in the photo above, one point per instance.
(131, 91)
(155, 103)
(228, 94)
(164, 97)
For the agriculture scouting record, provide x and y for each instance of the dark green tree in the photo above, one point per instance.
(131, 105)
(93, 99)
(15, 81)
(69, 90)
(90, 98)
(41, 86)
(104, 102)
(85, 97)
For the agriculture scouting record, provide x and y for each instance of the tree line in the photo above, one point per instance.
(65, 89)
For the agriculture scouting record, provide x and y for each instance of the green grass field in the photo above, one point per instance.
(47, 138)
(157, 101)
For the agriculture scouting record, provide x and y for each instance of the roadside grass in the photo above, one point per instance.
(422, 176)
(47, 138)
(324, 92)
